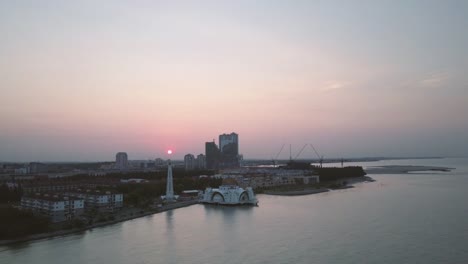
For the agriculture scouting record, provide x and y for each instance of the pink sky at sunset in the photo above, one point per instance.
(84, 81)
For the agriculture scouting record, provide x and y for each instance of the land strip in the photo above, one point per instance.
(164, 208)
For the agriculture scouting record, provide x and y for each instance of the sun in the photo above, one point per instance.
(169, 152)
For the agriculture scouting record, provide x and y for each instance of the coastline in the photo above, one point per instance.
(404, 169)
(350, 184)
(298, 192)
(79, 230)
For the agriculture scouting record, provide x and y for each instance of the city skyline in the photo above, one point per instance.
(81, 81)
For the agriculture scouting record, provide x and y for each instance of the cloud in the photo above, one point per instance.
(333, 85)
(434, 80)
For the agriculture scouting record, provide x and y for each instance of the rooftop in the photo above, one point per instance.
(52, 197)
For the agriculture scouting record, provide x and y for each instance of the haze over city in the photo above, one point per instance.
(81, 81)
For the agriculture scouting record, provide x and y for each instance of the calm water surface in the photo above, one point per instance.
(412, 218)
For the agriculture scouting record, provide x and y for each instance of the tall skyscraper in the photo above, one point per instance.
(201, 162)
(229, 148)
(121, 160)
(212, 155)
(190, 162)
(229, 139)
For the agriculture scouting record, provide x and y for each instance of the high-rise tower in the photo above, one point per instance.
(212, 155)
(121, 160)
(229, 148)
(189, 162)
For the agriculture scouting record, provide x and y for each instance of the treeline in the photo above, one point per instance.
(10, 195)
(151, 175)
(15, 223)
(159, 175)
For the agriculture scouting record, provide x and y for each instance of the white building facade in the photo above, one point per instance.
(56, 207)
(229, 195)
(100, 201)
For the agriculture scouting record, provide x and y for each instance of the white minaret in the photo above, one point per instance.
(169, 186)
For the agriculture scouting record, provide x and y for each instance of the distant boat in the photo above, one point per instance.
(229, 195)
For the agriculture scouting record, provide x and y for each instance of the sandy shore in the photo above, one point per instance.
(74, 231)
(397, 169)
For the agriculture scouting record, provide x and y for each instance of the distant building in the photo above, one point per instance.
(21, 171)
(229, 149)
(36, 167)
(189, 162)
(201, 162)
(121, 160)
(227, 139)
(159, 162)
(146, 164)
(212, 155)
(57, 207)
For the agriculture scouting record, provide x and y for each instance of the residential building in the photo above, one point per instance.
(159, 162)
(21, 171)
(101, 201)
(36, 167)
(201, 162)
(57, 208)
(189, 162)
(121, 160)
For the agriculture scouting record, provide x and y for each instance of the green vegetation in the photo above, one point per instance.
(9, 196)
(64, 167)
(75, 223)
(15, 223)
(150, 176)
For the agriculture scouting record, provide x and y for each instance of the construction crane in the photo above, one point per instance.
(277, 155)
(300, 152)
(320, 157)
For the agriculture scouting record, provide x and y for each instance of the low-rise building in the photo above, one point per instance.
(101, 201)
(57, 208)
(191, 194)
(133, 180)
(269, 177)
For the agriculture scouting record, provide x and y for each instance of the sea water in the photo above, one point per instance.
(401, 218)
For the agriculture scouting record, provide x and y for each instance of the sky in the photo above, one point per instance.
(83, 80)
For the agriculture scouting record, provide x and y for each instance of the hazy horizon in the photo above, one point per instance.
(81, 81)
(309, 157)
